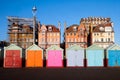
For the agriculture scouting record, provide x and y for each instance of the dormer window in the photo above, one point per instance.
(108, 28)
(43, 32)
(101, 29)
(50, 28)
(74, 28)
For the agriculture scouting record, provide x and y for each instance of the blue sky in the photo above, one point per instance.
(52, 11)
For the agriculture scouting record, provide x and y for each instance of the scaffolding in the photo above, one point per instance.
(19, 21)
(17, 30)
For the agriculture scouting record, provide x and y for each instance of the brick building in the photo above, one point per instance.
(76, 34)
(48, 35)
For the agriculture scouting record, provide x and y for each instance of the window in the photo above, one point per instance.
(97, 34)
(108, 29)
(57, 34)
(43, 32)
(50, 40)
(50, 28)
(27, 40)
(101, 39)
(42, 40)
(67, 34)
(23, 34)
(94, 34)
(15, 35)
(96, 40)
(101, 28)
(81, 39)
(74, 28)
(75, 40)
(69, 40)
(53, 34)
(74, 34)
(108, 39)
(81, 33)
(109, 34)
(56, 39)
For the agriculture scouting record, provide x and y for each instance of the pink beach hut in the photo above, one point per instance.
(54, 56)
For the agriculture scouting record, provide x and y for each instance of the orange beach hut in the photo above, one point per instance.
(34, 56)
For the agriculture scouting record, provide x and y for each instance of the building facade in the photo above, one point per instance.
(21, 35)
(103, 35)
(76, 34)
(48, 35)
(90, 24)
(20, 31)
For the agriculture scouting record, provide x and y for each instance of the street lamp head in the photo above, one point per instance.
(34, 9)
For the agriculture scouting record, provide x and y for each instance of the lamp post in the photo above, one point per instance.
(34, 9)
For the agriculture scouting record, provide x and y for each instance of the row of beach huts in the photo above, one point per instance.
(75, 56)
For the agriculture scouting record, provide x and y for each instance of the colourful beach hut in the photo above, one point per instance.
(113, 55)
(34, 56)
(75, 56)
(12, 56)
(95, 56)
(54, 56)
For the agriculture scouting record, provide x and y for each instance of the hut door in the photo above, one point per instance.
(51, 58)
(54, 58)
(79, 58)
(38, 58)
(58, 58)
(71, 58)
(8, 58)
(112, 58)
(99, 56)
(30, 59)
(13, 58)
(91, 58)
(16, 58)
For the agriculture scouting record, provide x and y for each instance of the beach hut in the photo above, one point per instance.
(12, 56)
(54, 56)
(113, 55)
(34, 56)
(95, 56)
(75, 56)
